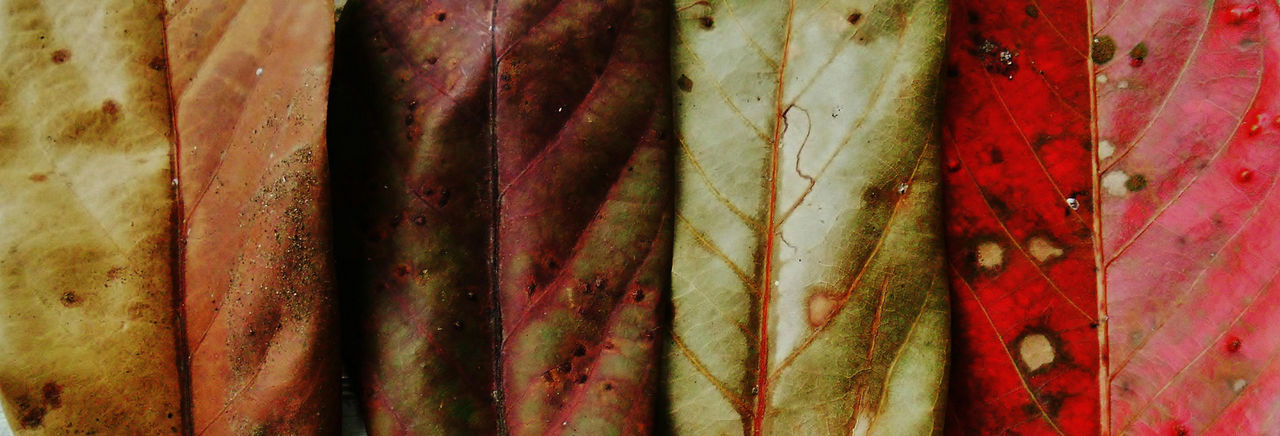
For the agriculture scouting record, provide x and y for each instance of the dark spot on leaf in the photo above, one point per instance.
(1136, 183)
(1032, 11)
(70, 299)
(1139, 51)
(707, 22)
(608, 386)
(441, 15)
(531, 288)
(684, 83)
(60, 56)
(1181, 430)
(431, 60)
(565, 366)
(580, 350)
(1104, 48)
(30, 414)
(974, 18)
(997, 156)
(402, 270)
(1001, 208)
(639, 296)
(1042, 140)
(110, 107)
(582, 378)
(157, 63)
(873, 194)
(1233, 345)
(855, 17)
(52, 395)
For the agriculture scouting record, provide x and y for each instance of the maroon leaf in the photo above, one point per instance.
(505, 175)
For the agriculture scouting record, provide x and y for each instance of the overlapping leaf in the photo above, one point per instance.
(166, 275)
(808, 286)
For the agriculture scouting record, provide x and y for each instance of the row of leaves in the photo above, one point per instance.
(631, 216)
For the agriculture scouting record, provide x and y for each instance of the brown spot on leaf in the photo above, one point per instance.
(684, 83)
(52, 395)
(38, 177)
(707, 22)
(30, 414)
(855, 17)
(60, 56)
(1104, 48)
(157, 63)
(110, 107)
(70, 299)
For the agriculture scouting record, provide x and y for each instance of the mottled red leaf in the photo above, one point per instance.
(1111, 241)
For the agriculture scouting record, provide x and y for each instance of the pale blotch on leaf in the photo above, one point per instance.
(821, 307)
(1036, 351)
(1114, 183)
(1042, 249)
(1238, 385)
(990, 255)
(1105, 149)
(1102, 78)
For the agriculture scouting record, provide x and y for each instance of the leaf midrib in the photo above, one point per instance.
(761, 374)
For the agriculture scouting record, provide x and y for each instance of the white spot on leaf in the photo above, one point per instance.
(990, 255)
(1036, 351)
(1105, 149)
(1113, 182)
